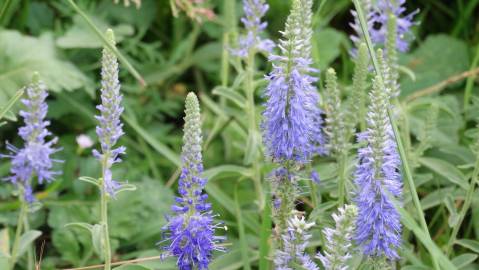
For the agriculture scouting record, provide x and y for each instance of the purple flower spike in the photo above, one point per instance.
(34, 158)
(254, 11)
(110, 128)
(387, 8)
(191, 231)
(378, 182)
(378, 17)
(292, 127)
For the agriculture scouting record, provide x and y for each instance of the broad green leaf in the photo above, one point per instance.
(438, 57)
(446, 170)
(328, 46)
(464, 260)
(470, 244)
(79, 35)
(26, 240)
(10, 103)
(22, 55)
(97, 239)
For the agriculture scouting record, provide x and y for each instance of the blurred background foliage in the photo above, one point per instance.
(175, 55)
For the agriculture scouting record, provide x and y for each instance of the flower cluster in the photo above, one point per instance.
(292, 118)
(335, 127)
(378, 181)
(379, 19)
(358, 37)
(388, 9)
(295, 240)
(339, 239)
(191, 230)
(34, 159)
(254, 11)
(110, 128)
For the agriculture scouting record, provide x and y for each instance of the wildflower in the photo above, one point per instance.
(191, 230)
(254, 11)
(357, 114)
(195, 9)
(335, 125)
(339, 239)
(292, 123)
(378, 19)
(378, 182)
(109, 128)
(84, 141)
(393, 9)
(295, 240)
(35, 157)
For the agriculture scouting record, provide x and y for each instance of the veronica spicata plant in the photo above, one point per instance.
(34, 158)
(378, 182)
(109, 131)
(339, 240)
(292, 124)
(191, 230)
(295, 240)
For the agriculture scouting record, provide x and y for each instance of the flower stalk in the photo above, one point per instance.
(400, 146)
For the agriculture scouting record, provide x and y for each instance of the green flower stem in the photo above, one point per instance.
(252, 128)
(402, 152)
(470, 80)
(464, 209)
(342, 174)
(104, 218)
(30, 257)
(21, 217)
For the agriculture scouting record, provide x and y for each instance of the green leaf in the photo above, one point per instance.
(230, 94)
(90, 180)
(464, 260)
(83, 225)
(470, 244)
(126, 187)
(4, 243)
(97, 239)
(232, 260)
(26, 239)
(226, 170)
(10, 103)
(328, 46)
(79, 34)
(23, 55)
(446, 170)
(438, 57)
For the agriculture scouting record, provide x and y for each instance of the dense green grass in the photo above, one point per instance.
(162, 58)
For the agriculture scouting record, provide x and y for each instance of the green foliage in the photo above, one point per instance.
(177, 55)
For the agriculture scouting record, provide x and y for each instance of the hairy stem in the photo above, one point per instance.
(21, 217)
(104, 218)
(402, 152)
(342, 174)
